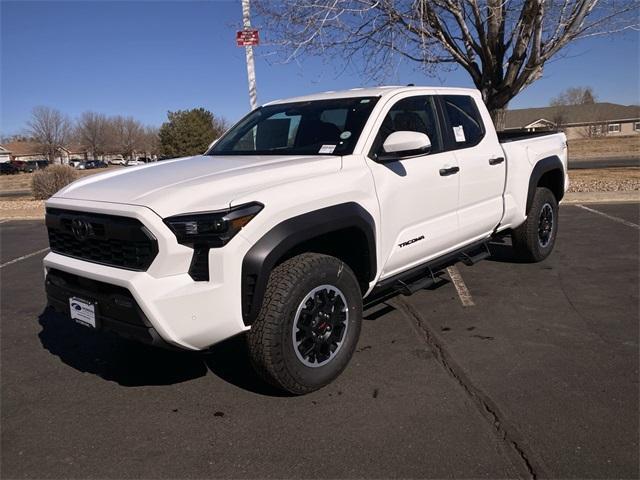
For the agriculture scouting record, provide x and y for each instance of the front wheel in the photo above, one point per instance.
(309, 323)
(533, 241)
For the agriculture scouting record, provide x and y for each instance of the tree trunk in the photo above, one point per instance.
(499, 117)
(496, 104)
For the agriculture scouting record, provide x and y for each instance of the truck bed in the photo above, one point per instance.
(521, 134)
(523, 150)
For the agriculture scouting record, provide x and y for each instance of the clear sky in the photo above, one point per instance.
(144, 58)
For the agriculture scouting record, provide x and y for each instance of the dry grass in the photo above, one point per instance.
(605, 147)
(22, 181)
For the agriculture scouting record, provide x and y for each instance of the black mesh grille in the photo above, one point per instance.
(107, 239)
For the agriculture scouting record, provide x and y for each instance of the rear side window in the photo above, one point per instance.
(464, 123)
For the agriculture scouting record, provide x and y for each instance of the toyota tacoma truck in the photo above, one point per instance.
(302, 214)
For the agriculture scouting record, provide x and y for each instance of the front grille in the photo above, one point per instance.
(106, 239)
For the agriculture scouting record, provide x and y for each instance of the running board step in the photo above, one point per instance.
(425, 275)
(411, 288)
(473, 258)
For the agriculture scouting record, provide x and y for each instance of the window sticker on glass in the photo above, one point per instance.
(345, 135)
(458, 131)
(327, 149)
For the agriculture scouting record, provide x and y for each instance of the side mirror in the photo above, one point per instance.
(404, 144)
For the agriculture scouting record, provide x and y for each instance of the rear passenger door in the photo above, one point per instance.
(481, 162)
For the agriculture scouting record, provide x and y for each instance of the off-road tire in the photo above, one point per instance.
(270, 340)
(527, 243)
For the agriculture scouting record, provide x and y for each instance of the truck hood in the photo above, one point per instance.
(200, 183)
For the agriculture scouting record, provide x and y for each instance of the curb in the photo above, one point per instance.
(601, 197)
(9, 219)
(15, 193)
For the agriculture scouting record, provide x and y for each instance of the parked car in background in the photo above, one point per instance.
(20, 165)
(117, 161)
(133, 163)
(91, 164)
(30, 165)
(38, 164)
(8, 168)
(75, 163)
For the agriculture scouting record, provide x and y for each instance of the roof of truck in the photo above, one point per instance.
(381, 91)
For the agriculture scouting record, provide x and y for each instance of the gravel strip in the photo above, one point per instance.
(605, 180)
(21, 208)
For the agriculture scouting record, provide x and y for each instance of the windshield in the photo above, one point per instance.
(325, 127)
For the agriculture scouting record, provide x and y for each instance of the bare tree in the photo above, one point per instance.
(559, 118)
(16, 137)
(574, 96)
(150, 141)
(50, 128)
(92, 132)
(126, 135)
(502, 44)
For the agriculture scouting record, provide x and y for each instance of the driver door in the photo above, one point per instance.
(418, 194)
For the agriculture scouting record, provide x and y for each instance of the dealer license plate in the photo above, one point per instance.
(82, 311)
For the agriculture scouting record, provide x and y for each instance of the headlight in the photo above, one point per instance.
(212, 229)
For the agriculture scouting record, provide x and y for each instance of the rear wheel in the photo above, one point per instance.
(533, 241)
(309, 323)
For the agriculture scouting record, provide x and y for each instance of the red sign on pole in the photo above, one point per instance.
(247, 38)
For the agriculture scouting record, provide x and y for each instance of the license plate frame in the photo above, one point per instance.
(83, 311)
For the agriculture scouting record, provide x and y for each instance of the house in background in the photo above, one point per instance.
(24, 151)
(73, 152)
(578, 121)
(5, 155)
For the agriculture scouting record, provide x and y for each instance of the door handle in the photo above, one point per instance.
(496, 160)
(449, 171)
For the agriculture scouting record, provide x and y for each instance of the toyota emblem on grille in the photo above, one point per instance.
(81, 228)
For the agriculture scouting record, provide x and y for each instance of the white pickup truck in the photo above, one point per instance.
(305, 212)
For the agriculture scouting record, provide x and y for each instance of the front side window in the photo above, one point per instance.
(325, 127)
(413, 114)
(464, 120)
(614, 128)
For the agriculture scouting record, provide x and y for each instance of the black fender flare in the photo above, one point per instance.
(263, 256)
(545, 165)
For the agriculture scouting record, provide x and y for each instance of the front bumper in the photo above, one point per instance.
(172, 308)
(116, 309)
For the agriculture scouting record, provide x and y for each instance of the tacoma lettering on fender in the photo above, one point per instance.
(303, 213)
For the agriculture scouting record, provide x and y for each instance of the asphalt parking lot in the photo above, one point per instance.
(538, 377)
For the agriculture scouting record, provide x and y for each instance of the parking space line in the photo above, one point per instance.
(463, 292)
(610, 217)
(24, 257)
